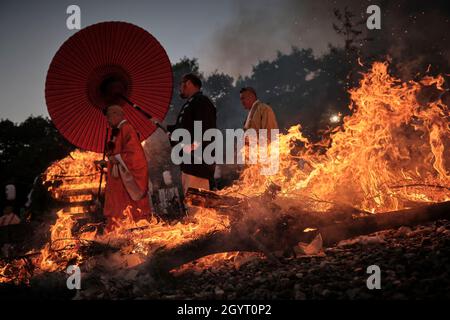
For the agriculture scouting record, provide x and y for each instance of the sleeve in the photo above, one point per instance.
(187, 121)
(129, 147)
(268, 119)
(205, 112)
(119, 158)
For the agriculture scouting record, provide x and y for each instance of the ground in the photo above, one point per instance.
(414, 264)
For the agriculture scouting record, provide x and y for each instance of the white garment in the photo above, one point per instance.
(121, 123)
(250, 114)
(10, 190)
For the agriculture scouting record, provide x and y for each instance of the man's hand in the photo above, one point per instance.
(100, 164)
(190, 147)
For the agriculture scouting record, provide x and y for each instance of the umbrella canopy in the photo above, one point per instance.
(104, 64)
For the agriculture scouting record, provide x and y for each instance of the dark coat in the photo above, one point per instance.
(197, 108)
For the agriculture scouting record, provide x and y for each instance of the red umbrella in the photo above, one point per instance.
(103, 64)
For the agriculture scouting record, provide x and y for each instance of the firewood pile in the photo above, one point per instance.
(414, 263)
(270, 260)
(279, 231)
(374, 192)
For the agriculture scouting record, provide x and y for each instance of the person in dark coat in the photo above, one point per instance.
(197, 107)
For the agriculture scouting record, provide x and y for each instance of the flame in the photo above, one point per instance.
(76, 173)
(391, 153)
(388, 155)
(71, 180)
(215, 261)
(145, 236)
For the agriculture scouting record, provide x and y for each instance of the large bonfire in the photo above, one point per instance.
(391, 153)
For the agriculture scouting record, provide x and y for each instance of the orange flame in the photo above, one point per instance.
(391, 153)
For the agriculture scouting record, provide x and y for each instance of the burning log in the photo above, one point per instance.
(210, 199)
(235, 207)
(294, 232)
(334, 233)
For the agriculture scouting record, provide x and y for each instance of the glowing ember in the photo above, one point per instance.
(391, 153)
(335, 118)
(76, 173)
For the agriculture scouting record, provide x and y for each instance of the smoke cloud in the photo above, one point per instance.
(261, 28)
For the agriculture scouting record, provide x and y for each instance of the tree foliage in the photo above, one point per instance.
(27, 149)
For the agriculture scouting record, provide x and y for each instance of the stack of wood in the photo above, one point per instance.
(72, 200)
(282, 231)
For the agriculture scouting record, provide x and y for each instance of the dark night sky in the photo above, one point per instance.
(228, 36)
(32, 31)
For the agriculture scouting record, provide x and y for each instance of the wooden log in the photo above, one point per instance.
(409, 217)
(210, 199)
(235, 240)
(67, 205)
(64, 194)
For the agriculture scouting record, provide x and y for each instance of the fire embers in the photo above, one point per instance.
(392, 153)
(74, 237)
(73, 182)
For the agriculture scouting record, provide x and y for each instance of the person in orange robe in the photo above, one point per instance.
(127, 174)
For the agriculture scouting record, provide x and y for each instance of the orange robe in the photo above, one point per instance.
(118, 193)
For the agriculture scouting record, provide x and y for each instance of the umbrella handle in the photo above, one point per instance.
(154, 121)
(147, 115)
(101, 171)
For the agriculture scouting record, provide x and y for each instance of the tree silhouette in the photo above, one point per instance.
(225, 95)
(350, 29)
(26, 150)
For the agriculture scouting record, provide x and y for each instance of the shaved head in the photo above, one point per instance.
(115, 109)
(114, 115)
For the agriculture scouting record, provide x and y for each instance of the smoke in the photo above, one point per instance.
(260, 28)
(413, 36)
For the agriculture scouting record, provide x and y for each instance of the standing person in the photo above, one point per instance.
(260, 115)
(197, 107)
(127, 174)
(260, 118)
